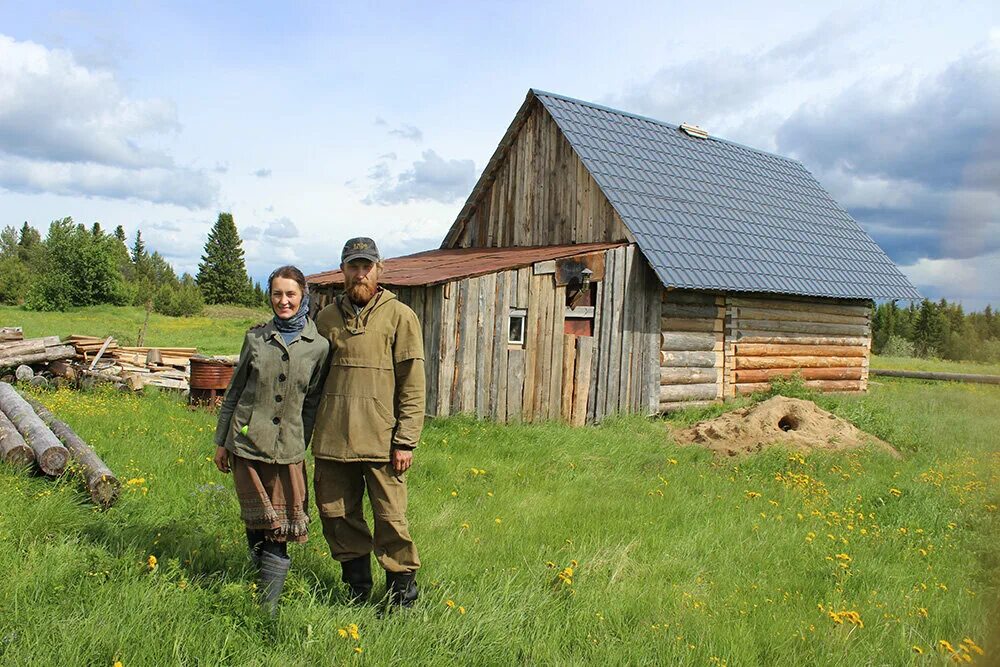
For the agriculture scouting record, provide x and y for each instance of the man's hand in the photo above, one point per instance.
(402, 459)
(222, 459)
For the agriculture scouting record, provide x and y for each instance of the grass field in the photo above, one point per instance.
(677, 558)
(218, 330)
(934, 365)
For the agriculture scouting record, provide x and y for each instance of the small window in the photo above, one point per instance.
(515, 328)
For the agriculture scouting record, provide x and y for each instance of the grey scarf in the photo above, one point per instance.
(293, 326)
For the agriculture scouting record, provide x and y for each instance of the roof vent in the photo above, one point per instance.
(694, 131)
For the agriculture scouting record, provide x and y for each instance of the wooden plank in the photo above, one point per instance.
(568, 374)
(689, 341)
(750, 336)
(651, 388)
(806, 306)
(581, 379)
(462, 297)
(617, 285)
(628, 303)
(696, 359)
(523, 287)
(446, 350)
(692, 311)
(763, 375)
(558, 333)
(515, 384)
(543, 358)
(760, 350)
(530, 348)
(544, 267)
(692, 298)
(689, 375)
(471, 326)
(484, 344)
(498, 393)
(744, 363)
(806, 327)
(431, 327)
(687, 392)
(602, 330)
(799, 316)
(684, 324)
(821, 385)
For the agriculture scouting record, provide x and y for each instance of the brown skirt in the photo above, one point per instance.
(274, 497)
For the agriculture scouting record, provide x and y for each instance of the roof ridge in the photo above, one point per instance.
(656, 121)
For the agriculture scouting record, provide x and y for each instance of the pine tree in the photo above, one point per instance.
(120, 234)
(96, 230)
(222, 273)
(138, 248)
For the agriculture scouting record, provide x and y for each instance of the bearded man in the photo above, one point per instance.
(368, 423)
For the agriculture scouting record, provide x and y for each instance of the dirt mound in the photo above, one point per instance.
(778, 421)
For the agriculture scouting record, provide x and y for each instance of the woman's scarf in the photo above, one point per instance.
(293, 326)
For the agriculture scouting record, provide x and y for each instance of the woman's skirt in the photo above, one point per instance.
(273, 497)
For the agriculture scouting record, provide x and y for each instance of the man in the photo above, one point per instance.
(367, 425)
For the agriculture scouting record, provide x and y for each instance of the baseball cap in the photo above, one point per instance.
(360, 247)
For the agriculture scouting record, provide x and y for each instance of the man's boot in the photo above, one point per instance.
(357, 574)
(273, 571)
(402, 588)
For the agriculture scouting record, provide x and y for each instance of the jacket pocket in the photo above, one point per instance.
(352, 427)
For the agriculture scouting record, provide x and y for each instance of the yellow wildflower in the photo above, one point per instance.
(896, 492)
(946, 645)
(461, 610)
(922, 611)
(498, 521)
(918, 650)
(352, 630)
(342, 632)
(358, 649)
(450, 603)
(151, 562)
(454, 494)
(972, 645)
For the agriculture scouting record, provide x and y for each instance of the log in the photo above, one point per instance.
(699, 359)
(798, 362)
(673, 296)
(689, 375)
(11, 333)
(805, 327)
(771, 338)
(804, 306)
(688, 341)
(949, 377)
(821, 385)
(690, 324)
(13, 449)
(50, 454)
(799, 316)
(687, 392)
(49, 354)
(24, 373)
(101, 482)
(63, 369)
(758, 350)
(694, 310)
(763, 375)
(30, 346)
(672, 406)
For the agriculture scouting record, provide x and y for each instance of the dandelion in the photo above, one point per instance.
(498, 521)
(358, 649)
(896, 492)
(946, 645)
(454, 494)
(450, 603)
(672, 462)
(972, 645)
(461, 610)
(917, 650)
(151, 562)
(352, 631)
(752, 494)
(922, 612)
(342, 632)
(549, 564)
(465, 525)
(118, 663)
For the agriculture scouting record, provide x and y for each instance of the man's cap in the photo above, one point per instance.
(360, 247)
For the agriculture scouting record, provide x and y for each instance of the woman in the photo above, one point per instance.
(265, 424)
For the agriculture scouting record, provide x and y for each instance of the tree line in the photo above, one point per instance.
(79, 266)
(936, 329)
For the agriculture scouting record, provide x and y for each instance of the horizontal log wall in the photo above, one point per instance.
(825, 342)
(691, 349)
(541, 194)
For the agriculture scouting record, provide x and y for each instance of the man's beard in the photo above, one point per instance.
(361, 292)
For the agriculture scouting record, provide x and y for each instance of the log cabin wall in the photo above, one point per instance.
(691, 349)
(826, 341)
(540, 194)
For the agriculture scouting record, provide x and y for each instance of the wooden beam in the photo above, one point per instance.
(687, 392)
(698, 359)
(689, 375)
(765, 374)
(743, 363)
(690, 341)
(764, 350)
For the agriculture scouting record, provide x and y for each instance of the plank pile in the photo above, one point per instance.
(137, 367)
(16, 352)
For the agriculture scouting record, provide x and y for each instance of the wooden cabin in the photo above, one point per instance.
(609, 263)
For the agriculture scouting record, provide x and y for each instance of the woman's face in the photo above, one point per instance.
(286, 296)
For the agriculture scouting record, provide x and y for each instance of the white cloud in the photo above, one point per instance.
(971, 281)
(432, 178)
(68, 129)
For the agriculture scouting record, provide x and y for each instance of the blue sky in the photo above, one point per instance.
(315, 122)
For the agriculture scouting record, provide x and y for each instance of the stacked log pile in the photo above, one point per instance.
(826, 343)
(691, 342)
(33, 351)
(30, 433)
(11, 333)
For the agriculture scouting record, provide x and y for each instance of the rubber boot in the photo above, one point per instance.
(357, 574)
(402, 588)
(273, 571)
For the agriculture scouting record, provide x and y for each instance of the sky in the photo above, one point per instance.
(316, 122)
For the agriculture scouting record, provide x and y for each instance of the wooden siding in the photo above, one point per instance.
(691, 349)
(539, 193)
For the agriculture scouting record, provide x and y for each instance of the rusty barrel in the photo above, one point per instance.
(209, 378)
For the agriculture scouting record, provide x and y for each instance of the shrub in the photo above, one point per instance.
(182, 301)
(897, 346)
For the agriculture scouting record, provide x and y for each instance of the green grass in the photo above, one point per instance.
(679, 560)
(934, 365)
(218, 330)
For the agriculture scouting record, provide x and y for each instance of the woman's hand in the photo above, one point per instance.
(222, 459)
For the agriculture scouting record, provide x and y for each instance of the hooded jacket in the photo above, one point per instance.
(374, 395)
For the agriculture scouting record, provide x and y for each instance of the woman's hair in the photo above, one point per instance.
(290, 272)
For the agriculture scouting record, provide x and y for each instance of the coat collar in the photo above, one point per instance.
(308, 332)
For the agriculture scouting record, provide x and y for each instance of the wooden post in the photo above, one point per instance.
(50, 454)
(101, 482)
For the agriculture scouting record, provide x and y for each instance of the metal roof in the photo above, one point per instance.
(443, 265)
(712, 214)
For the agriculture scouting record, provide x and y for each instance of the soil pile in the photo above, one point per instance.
(790, 422)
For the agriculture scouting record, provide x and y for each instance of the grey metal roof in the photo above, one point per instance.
(712, 214)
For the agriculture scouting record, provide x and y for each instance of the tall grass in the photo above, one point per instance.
(677, 558)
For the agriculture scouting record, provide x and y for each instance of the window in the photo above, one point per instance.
(515, 327)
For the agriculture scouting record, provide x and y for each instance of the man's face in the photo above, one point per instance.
(360, 280)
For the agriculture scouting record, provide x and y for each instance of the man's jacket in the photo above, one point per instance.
(374, 395)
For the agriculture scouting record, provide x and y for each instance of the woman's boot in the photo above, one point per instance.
(273, 571)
